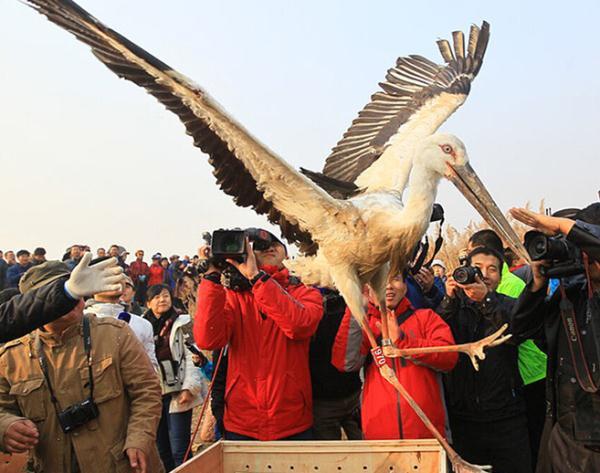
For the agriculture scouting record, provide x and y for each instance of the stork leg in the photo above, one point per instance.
(349, 285)
(378, 283)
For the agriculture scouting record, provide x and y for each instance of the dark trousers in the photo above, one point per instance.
(173, 435)
(304, 435)
(140, 292)
(504, 444)
(333, 415)
(535, 401)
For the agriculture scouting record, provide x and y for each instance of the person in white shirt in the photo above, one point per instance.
(106, 304)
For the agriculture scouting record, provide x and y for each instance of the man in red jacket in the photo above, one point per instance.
(268, 328)
(139, 271)
(385, 414)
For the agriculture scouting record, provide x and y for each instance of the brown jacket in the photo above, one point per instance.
(127, 392)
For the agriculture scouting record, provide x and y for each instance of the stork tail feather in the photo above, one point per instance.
(459, 44)
(445, 50)
(312, 270)
(473, 36)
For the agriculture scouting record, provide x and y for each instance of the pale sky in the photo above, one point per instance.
(88, 158)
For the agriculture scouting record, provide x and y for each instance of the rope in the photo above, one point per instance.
(210, 387)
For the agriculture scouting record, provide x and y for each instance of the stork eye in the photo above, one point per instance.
(447, 149)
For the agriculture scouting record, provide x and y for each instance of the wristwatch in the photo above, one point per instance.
(260, 276)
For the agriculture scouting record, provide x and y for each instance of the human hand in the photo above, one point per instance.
(137, 460)
(425, 279)
(451, 287)
(204, 254)
(185, 397)
(544, 223)
(396, 333)
(475, 291)
(249, 268)
(20, 436)
(539, 280)
(86, 280)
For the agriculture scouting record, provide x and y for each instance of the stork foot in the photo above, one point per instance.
(475, 350)
(461, 466)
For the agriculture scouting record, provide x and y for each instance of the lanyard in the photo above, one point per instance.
(87, 345)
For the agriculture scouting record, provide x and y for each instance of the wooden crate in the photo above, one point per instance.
(12, 463)
(383, 456)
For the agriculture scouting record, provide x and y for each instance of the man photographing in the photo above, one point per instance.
(268, 325)
(486, 407)
(571, 318)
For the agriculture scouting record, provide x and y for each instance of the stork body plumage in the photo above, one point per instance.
(374, 224)
(386, 229)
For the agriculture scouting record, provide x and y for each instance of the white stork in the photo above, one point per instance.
(350, 240)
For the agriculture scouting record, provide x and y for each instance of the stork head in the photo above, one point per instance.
(447, 156)
(442, 151)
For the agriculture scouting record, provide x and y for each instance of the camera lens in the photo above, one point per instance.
(461, 275)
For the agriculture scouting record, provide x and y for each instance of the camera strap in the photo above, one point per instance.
(580, 363)
(87, 345)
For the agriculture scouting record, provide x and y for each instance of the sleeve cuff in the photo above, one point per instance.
(213, 277)
(68, 293)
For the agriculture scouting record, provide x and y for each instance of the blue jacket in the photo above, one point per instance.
(14, 273)
(419, 300)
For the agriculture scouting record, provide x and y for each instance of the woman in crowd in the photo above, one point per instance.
(186, 289)
(181, 381)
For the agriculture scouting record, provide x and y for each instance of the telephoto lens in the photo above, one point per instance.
(466, 274)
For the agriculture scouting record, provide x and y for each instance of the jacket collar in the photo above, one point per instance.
(281, 275)
(402, 307)
(54, 339)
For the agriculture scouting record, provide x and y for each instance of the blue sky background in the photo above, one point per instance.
(86, 157)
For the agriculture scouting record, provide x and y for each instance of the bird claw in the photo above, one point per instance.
(475, 350)
(461, 466)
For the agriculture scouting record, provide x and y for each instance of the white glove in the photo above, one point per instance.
(86, 280)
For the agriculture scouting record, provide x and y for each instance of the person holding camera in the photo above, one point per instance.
(268, 324)
(571, 318)
(181, 382)
(486, 407)
(532, 360)
(80, 393)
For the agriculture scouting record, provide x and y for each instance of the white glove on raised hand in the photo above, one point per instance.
(86, 280)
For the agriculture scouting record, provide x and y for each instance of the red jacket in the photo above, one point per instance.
(268, 392)
(385, 414)
(137, 269)
(157, 274)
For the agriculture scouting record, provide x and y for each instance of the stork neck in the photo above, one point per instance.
(421, 192)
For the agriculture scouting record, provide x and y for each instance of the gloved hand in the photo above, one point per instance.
(86, 280)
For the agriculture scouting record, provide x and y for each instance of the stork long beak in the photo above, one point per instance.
(469, 184)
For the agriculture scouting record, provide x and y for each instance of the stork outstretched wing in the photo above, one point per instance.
(244, 168)
(417, 96)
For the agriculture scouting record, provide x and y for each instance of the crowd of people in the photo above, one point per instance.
(105, 359)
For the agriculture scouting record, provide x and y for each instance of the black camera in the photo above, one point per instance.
(77, 415)
(565, 257)
(466, 274)
(231, 244)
